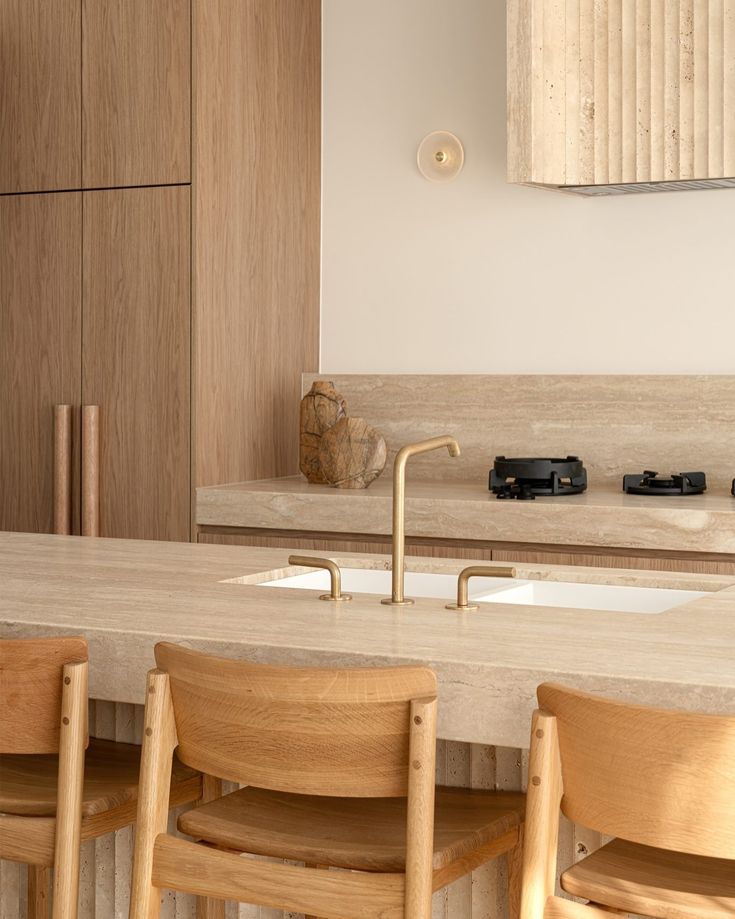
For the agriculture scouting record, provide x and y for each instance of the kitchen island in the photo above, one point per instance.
(123, 596)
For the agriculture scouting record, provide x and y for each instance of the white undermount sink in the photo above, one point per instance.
(567, 594)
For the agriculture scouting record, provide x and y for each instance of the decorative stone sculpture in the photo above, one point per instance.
(352, 454)
(321, 408)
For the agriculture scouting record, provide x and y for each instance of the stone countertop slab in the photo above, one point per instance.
(124, 595)
(601, 516)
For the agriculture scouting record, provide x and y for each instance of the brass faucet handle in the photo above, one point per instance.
(335, 575)
(476, 571)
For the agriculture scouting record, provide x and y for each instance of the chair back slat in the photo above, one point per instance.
(301, 730)
(31, 673)
(652, 776)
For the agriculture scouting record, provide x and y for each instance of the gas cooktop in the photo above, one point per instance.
(525, 478)
(650, 483)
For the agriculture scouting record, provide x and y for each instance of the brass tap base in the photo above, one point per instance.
(345, 597)
(389, 601)
(458, 607)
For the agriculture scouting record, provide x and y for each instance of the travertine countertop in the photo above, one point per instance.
(601, 516)
(125, 595)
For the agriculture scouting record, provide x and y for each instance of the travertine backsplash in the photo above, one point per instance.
(616, 424)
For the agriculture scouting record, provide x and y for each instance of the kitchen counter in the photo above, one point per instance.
(601, 516)
(123, 596)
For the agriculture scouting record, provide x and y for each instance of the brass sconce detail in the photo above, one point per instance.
(440, 156)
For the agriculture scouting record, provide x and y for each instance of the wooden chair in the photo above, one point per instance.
(53, 794)
(339, 766)
(662, 782)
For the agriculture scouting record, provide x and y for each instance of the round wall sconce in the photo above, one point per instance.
(440, 157)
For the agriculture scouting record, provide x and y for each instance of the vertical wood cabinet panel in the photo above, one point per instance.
(40, 346)
(40, 95)
(136, 91)
(135, 356)
(257, 212)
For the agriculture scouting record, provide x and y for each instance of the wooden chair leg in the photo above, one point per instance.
(309, 865)
(39, 882)
(159, 742)
(68, 836)
(208, 907)
(514, 860)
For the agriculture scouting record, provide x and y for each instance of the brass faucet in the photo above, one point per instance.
(335, 575)
(399, 509)
(463, 584)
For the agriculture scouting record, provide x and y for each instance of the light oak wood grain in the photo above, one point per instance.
(646, 94)
(49, 804)
(653, 776)
(638, 773)
(642, 880)
(136, 356)
(90, 470)
(265, 735)
(309, 826)
(31, 685)
(556, 908)
(40, 348)
(63, 474)
(40, 95)
(73, 739)
(39, 884)
(238, 723)
(256, 249)
(111, 783)
(136, 92)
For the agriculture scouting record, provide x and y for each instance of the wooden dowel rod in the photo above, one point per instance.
(90, 470)
(62, 469)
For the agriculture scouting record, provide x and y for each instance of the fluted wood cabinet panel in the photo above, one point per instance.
(40, 95)
(136, 92)
(135, 356)
(40, 347)
(620, 91)
(256, 211)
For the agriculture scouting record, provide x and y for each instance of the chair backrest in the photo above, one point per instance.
(31, 685)
(302, 730)
(653, 776)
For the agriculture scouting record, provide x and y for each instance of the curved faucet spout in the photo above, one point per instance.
(399, 508)
(425, 446)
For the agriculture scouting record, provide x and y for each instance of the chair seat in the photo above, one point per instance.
(363, 834)
(111, 772)
(655, 882)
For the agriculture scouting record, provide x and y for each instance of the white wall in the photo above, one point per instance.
(476, 275)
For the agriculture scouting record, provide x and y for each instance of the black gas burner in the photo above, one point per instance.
(685, 483)
(526, 478)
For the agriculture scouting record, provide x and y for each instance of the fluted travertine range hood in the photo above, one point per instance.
(621, 96)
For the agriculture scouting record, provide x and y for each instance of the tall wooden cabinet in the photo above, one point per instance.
(40, 347)
(135, 356)
(94, 93)
(136, 92)
(40, 95)
(176, 283)
(95, 309)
